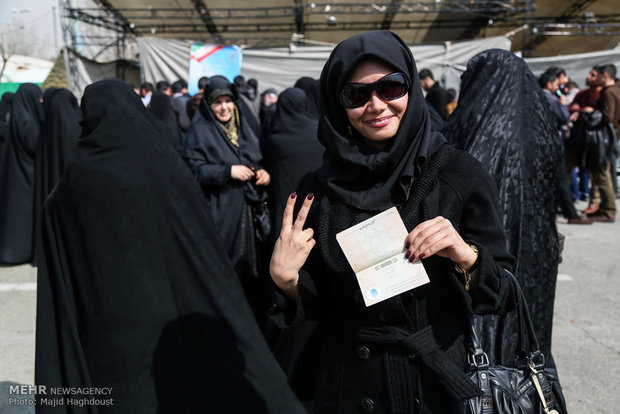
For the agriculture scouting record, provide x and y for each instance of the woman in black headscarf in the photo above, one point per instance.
(291, 149)
(57, 141)
(161, 108)
(17, 176)
(134, 293)
(503, 120)
(406, 353)
(224, 154)
(311, 87)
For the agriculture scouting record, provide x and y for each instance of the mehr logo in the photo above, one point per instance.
(27, 389)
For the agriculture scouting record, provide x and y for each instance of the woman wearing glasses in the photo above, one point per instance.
(407, 353)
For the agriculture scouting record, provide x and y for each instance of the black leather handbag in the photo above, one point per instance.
(529, 388)
(262, 221)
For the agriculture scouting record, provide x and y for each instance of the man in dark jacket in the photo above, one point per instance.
(436, 96)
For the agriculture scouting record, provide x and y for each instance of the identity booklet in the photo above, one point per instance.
(375, 249)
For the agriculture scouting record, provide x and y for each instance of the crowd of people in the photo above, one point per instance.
(187, 245)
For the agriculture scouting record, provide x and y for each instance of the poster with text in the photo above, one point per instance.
(210, 60)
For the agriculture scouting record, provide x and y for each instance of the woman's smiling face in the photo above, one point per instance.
(223, 108)
(377, 120)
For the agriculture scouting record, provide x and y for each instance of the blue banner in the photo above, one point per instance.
(210, 60)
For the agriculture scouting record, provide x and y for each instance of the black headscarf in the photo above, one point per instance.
(17, 176)
(57, 141)
(135, 292)
(311, 87)
(503, 119)
(160, 107)
(251, 120)
(291, 149)
(354, 172)
(47, 93)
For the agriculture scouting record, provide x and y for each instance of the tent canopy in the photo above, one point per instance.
(543, 27)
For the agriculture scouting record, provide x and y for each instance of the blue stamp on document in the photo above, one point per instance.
(374, 293)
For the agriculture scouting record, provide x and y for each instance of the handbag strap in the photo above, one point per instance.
(528, 344)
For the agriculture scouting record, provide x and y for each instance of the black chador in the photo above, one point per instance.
(210, 150)
(134, 292)
(17, 176)
(504, 120)
(57, 141)
(161, 108)
(292, 149)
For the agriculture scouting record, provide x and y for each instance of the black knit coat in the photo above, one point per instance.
(397, 356)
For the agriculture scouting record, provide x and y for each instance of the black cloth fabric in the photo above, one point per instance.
(437, 97)
(504, 121)
(265, 112)
(251, 120)
(437, 122)
(406, 354)
(210, 155)
(17, 176)
(160, 107)
(5, 106)
(5, 114)
(291, 150)
(57, 141)
(135, 292)
(180, 113)
(311, 87)
(248, 94)
(353, 171)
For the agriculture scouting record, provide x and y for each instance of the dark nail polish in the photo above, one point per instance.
(293, 195)
(310, 196)
(407, 244)
(422, 256)
(407, 254)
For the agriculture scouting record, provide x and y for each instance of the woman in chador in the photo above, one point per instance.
(224, 154)
(17, 176)
(503, 119)
(134, 291)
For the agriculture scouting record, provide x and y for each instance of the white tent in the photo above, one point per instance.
(21, 69)
(279, 68)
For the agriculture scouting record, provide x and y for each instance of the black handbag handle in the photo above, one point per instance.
(528, 344)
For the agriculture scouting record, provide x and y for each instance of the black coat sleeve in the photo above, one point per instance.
(196, 155)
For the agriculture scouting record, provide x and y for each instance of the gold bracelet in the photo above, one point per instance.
(467, 272)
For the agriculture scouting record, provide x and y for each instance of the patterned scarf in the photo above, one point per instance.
(231, 127)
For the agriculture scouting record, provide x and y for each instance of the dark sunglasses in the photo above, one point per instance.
(389, 87)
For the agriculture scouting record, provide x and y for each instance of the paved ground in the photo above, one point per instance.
(586, 338)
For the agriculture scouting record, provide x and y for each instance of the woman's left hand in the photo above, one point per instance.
(262, 177)
(438, 236)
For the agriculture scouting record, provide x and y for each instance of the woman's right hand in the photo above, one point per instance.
(241, 172)
(292, 248)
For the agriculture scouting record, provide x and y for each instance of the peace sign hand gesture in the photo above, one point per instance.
(292, 248)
